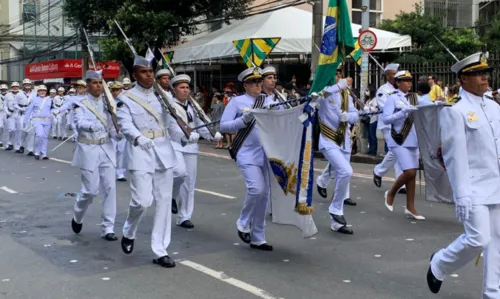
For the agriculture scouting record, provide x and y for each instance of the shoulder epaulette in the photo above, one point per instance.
(392, 92)
(457, 99)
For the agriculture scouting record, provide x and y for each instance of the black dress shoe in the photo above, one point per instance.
(164, 261)
(121, 180)
(349, 202)
(187, 224)
(433, 283)
(339, 219)
(60, 138)
(245, 237)
(345, 230)
(402, 191)
(37, 157)
(377, 180)
(77, 228)
(322, 191)
(20, 151)
(127, 245)
(31, 154)
(1, 144)
(174, 206)
(265, 247)
(110, 237)
(9, 148)
(45, 158)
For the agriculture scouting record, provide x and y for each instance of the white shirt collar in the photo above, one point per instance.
(145, 90)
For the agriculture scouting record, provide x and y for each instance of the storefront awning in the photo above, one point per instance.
(67, 68)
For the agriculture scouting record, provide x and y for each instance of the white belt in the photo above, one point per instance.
(40, 118)
(154, 134)
(93, 141)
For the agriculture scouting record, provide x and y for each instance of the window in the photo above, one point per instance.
(374, 4)
(374, 18)
(29, 12)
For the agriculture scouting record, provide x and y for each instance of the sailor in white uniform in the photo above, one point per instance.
(149, 157)
(25, 135)
(59, 124)
(250, 157)
(95, 156)
(470, 136)
(402, 141)
(188, 154)
(3, 115)
(116, 88)
(39, 114)
(389, 160)
(12, 116)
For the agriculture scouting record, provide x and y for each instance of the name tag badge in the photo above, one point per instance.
(401, 103)
(472, 117)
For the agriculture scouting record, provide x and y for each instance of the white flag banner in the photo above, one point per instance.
(437, 185)
(288, 146)
(150, 55)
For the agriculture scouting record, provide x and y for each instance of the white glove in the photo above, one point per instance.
(145, 143)
(342, 84)
(96, 128)
(463, 207)
(247, 117)
(119, 136)
(344, 117)
(409, 109)
(193, 138)
(217, 137)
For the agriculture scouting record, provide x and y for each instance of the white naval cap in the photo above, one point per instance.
(116, 85)
(27, 81)
(475, 63)
(270, 70)
(163, 72)
(391, 67)
(126, 81)
(250, 73)
(81, 83)
(180, 79)
(71, 90)
(4, 87)
(15, 84)
(93, 75)
(52, 91)
(61, 89)
(402, 75)
(42, 87)
(141, 61)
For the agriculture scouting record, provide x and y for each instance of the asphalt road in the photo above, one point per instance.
(386, 258)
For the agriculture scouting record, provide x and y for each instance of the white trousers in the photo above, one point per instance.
(388, 163)
(253, 214)
(28, 136)
(15, 130)
(341, 167)
(41, 129)
(3, 128)
(59, 125)
(326, 177)
(482, 232)
(120, 148)
(184, 186)
(103, 180)
(146, 187)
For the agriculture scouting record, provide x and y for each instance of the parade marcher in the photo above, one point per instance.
(95, 156)
(127, 84)
(217, 111)
(326, 177)
(58, 125)
(12, 116)
(402, 141)
(336, 112)
(71, 92)
(389, 160)
(40, 116)
(250, 157)
(187, 155)
(26, 133)
(69, 105)
(116, 88)
(149, 158)
(53, 95)
(3, 115)
(469, 135)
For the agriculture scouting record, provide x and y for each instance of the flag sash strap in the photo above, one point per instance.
(95, 112)
(146, 107)
(337, 136)
(242, 134)
(400, 137)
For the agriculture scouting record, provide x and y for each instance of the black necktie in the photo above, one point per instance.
(190, 117)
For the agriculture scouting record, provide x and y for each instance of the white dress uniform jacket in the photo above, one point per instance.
(382, 95)
(393, 116)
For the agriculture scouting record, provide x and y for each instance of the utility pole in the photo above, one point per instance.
(317, 35)
(365, 24)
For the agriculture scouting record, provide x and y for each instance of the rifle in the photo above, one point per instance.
(201, 114)
(159, 92)
(108, 97)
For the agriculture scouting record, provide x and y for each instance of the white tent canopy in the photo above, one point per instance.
(293, 25)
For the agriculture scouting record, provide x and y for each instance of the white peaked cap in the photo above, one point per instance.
(391, 67)
(180, 79)
(163, 72)
(52, 91)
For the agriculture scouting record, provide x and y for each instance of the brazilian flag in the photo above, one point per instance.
(255, 50)
(337, 34)
(356, 53)
(167, 58)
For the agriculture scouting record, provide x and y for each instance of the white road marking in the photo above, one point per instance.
(7, 189)
(215, 194)
(105, 278)
(59, 160)
(229, 280)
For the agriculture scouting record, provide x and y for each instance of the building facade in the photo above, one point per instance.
(462, 13)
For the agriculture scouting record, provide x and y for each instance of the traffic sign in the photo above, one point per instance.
(367, 40)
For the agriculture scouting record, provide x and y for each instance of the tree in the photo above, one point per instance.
(490, 32)
(423, 29)
(155, 22)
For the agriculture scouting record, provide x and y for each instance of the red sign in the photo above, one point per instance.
(367, 40)
(67, 68)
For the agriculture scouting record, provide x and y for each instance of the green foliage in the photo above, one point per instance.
(490, 32)
(155, 22)
(425, 48)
